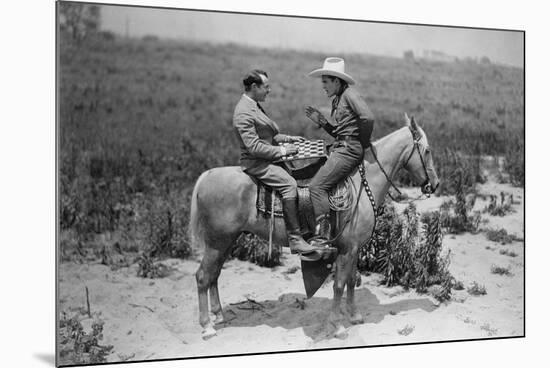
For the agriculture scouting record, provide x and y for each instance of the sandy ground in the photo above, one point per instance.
(265, 308)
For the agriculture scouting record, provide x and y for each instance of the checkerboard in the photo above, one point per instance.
(306, 149)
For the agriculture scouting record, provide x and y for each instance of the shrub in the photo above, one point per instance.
(501, 270)
(163, 222)
(250, 247)
(406, 257)
(449, 162)
(459, 220)
(458, 285)
(147, 268)
(500, 236)
(407, 330)
(476, 289)
(509, 253)
(505, 206)
(78, 346)
(514, 163)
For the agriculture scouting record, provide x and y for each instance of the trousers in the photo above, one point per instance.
(275, 177)
(344, 158)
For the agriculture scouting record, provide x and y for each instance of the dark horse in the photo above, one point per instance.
(224, 205)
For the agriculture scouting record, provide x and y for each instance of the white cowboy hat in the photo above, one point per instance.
(335, 67)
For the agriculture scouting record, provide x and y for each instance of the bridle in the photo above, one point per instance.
(426, 186)
(427, 189)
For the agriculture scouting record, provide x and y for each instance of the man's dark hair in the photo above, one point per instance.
(253, 77)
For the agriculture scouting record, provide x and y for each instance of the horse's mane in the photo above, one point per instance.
(387, 136)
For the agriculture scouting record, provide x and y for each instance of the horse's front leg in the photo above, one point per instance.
(355, 315)
(340, 279)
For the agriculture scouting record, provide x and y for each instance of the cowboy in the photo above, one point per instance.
(259, 137)
(352, 128)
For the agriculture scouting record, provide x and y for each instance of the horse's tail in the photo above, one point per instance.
(196, 227)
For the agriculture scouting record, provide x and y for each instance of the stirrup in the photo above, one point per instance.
(324, 253)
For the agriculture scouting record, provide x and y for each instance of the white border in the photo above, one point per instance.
(27, 183)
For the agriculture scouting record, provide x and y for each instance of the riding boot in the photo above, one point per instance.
(322, 231)
(295, 241)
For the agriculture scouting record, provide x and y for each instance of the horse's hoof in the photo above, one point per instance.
(208, 333)
(356, 319)
(341, 332)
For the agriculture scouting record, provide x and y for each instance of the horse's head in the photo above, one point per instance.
(420, 162)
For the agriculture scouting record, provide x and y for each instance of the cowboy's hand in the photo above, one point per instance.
(291, 150)
(316, 116)
(295, 138)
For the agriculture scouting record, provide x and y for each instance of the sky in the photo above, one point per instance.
(321, 35)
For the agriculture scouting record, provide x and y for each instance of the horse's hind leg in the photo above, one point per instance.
(205, 276)
(207, 281)
(215, 305)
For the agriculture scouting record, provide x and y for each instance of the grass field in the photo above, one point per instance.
(139, 120)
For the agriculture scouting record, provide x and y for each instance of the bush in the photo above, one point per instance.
(476, 289)
(78, 346)
(404, 256)
(500, 236)
(502, 209)
(251, 248)
(508, 253)
(147, 268)
(451, 163)
(501, 270)
(514, 163)
(459, 220)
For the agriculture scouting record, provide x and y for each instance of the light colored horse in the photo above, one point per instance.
(224, 205)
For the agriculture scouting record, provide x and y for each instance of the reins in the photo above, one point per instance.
(364, 184)
(416, 146)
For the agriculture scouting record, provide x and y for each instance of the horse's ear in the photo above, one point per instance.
(407, 120)
(414, 126)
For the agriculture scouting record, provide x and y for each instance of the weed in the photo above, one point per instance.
(476, 289)
(406, 257)
(502, 209)
(501, 270)
(148, 269)
(458, 285)
(78, 346)
(455, 218)
(405, 331)
(509, 253)
(254, 249)
(500, 236)
(490, 331)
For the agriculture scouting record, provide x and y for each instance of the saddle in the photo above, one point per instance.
(269, 201)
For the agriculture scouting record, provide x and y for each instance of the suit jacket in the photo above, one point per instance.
(258, 135)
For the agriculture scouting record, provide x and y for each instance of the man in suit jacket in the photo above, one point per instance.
(259, 137)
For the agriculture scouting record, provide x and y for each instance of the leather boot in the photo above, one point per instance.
(322, 231)
(295, 241)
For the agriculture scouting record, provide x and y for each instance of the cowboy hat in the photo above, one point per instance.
(335, 67)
